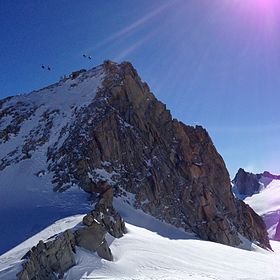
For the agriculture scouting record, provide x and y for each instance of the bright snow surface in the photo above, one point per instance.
(267, 204)
(156, 251)
(267, 200)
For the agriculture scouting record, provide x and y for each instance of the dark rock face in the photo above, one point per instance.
(246, 183)
(174, 170)
(50, 260)
(128, 138)
(251, 225)
(277, 234)
(104, 218)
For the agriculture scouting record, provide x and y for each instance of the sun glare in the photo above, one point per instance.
(264, 6)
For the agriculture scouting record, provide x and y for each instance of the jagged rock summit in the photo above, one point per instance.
(50, 260)
(105, 124)
(247, 183)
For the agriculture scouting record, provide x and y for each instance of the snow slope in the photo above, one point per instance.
(28, 203)
(158, 251)
(142, 254)
(267, 204)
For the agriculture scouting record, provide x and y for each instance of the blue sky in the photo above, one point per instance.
(213, 62)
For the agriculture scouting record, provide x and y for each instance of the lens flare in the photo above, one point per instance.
(266, 4)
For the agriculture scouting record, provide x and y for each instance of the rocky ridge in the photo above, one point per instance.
(51, 259)
(125, 136)
(247, 183)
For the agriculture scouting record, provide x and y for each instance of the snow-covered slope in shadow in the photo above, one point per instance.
(10, 262)
(30, 125)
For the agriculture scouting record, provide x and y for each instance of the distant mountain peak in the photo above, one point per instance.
(261, 192)
(248, 183)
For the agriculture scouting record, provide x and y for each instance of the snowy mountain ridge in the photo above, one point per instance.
(144, 253)
(261, 192)
(101, 133)
(43, 116)
(30, 126)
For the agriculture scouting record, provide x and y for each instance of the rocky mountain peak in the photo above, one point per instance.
(247, 183)
(267, 174)
(106, 125)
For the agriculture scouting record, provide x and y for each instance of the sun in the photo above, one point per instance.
(261, 15)
(264, 5)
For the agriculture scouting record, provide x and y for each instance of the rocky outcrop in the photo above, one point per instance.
(246, 183)
(76, 74)
(267, 174)
(50, 260)
(104, 218)
(128, 138)
(251, 225)
(277, 233)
